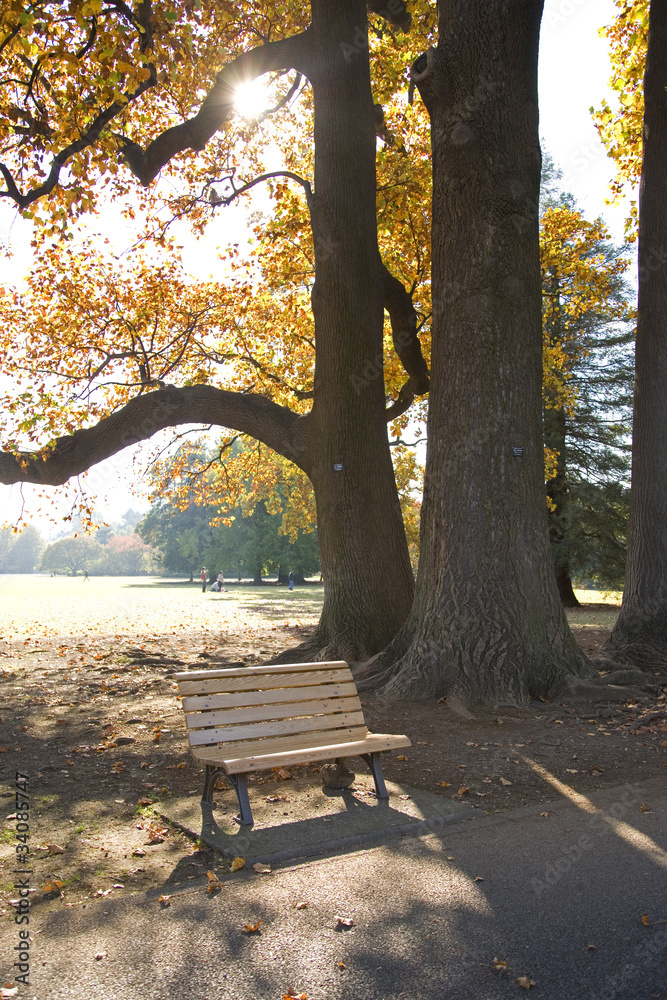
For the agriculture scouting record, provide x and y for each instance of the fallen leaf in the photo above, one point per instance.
(238, 864)
(139, 853)
(478, 879)
(545, 814)
(291, 995)
(402, 757)
(180, 766)
(499, 965)
(463, 790)
(157, 834)
(344, 921)
(444, 784)
(100, 955)
(571, 770)
(250, 928)
(52, 849)
(144, 802)
(342, 965)
(275, 798)
(504, 781)
(213, 882)
(644, 807)
(8, 990)
(261, 868)
(283, 774)
(645, 920)
(591, 947)
(300, 906)
(526, 982)
(55, 885)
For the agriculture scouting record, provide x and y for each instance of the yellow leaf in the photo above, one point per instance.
(238, 864)
(526, 982)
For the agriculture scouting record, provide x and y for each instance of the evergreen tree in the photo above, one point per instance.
(588, 362)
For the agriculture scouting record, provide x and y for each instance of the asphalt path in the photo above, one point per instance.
(558, 898)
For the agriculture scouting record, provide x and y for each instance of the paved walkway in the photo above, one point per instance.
(559, 898)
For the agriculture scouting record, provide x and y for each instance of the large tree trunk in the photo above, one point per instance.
(368, 583)
(640, 634)
(487, 623)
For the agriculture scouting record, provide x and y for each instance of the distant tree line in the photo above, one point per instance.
(188, 538)
(115, 550)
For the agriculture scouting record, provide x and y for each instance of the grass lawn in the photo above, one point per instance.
(143, 606)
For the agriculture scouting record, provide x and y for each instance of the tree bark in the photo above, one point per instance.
(487, 624)
(640, 634)
(365, 562)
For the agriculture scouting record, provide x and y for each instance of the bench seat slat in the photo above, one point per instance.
(259, 758)
(238, 699)
(276, 744)
(257, 713)
(251, 680)
(201, 737)
(280, 668)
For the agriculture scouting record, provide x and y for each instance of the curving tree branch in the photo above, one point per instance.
(217, 106)
(403, 319)
(274, 425)
(395, 12)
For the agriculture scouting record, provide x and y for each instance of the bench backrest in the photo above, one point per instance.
(249, 703)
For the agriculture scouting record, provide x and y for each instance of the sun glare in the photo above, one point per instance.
(252, 99)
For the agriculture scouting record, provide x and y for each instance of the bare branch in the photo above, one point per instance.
(218, 199)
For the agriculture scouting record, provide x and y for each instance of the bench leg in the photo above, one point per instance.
(210, 776)
(238, 783)
(241, 789)
(374, 763)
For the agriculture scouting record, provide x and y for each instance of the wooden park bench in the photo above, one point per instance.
(251, 718)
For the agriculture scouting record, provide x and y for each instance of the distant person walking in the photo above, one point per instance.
(85, 576)
(291, 580)
(221, 581)
(202, 577)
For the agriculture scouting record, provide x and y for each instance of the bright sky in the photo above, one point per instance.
(574, 71)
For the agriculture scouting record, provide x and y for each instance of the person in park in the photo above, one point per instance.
(291, 580)
(221, 582)
(202, 577)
